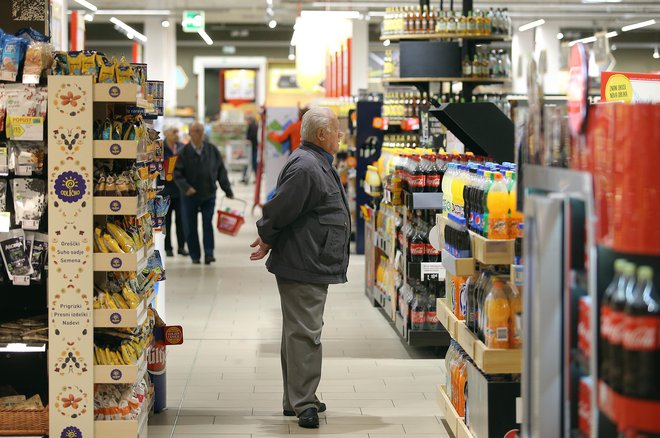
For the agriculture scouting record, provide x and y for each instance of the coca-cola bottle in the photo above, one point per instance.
(432, 322)
(433, 176)
(417, 177)
(431, 254)
(641, 339)
(417, 245)
(606, 315)
(417, 312)
(617, 316)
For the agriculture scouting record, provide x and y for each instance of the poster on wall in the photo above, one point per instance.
(283, 80)
(240, 86)
(276, 154)
(630, 87)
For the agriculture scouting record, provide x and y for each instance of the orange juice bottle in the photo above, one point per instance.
(515, 325)
(498, 316)
(462, 381)
(497, 202)
(516, 217)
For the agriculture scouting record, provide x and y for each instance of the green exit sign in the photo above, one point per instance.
(193, 21)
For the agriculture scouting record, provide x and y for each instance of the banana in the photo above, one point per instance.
(122, 237)
(111, 356)
(112, 244)
(110, 302)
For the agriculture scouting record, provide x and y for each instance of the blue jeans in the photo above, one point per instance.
(192, 206)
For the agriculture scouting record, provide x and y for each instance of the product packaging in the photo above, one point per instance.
(27, 157)
(13, 55)
(29, 201)
(38, 254)
(12, 247)
(3, 195)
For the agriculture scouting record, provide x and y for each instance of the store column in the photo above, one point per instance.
(360, 56)
(522, 49)
(548, 45)
(160, 56)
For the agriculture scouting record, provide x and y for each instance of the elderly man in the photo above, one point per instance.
(172, 148)
(306, 225)
(197, 171)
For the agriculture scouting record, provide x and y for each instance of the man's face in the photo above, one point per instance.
(330, 137)
(172, 136)
(197, 134)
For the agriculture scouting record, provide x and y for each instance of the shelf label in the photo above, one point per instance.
(519, 410)
(26, 128)
(5, 221)
(28, 224)
(432, 270)
(24, 170)
(21, 280)
(518, 275)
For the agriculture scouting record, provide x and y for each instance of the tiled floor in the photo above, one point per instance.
(225, 379)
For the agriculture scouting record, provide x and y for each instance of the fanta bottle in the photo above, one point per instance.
(497, 203)
(516, 217)
(515, 326)
(461, 382)
(497, 316)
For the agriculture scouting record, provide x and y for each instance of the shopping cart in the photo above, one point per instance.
(229, 220)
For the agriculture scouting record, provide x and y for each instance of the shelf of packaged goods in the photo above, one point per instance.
(23, 347)
(462, 267)
(119, 93)
(488, 360)
(447, 318)
(444, 36)
(123, 262)
(124, 428)
(423, 200)
(123, 318)
(122, 373)
(120, 205)
(455, 422)
(123, 149)
(492, 252)
(446, 79)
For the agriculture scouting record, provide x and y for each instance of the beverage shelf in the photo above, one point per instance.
(124, 149)
(462, 267)
(127, 428)
(120, 205)
(492, 252)
(123, 318)
(553, 179)
(446, 79)
(122, 262)
(455, 422)
(437, 35)
(122, 373)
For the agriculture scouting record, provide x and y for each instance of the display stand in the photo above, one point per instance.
(73, 264)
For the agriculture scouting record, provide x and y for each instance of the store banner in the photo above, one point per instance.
(630, 87)
(71, 278)
(276, 154)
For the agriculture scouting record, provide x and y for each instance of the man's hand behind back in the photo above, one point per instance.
(261, 251)
(191, 191)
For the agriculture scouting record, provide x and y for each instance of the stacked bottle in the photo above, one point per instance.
(456, 361)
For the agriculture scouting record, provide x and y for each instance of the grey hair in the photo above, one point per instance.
(316, 118)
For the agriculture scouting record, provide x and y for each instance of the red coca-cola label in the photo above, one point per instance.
(641, 333)
(417, 317)
(584, 407)
(156, 359)
(433, 181)
(417, 181)
(432, 317)
(430, 250)
(605, 323)
(614, 328)
(417, 249)
(584, 331)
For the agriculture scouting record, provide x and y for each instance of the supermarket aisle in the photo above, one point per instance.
(225, 380)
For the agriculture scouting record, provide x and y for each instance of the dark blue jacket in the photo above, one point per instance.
(202, 172)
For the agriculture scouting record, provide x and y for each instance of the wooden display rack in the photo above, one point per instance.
(462, 267)
(455, 422)
(492, 252)
(122, 373)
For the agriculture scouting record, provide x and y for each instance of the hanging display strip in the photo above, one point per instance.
(71, 273)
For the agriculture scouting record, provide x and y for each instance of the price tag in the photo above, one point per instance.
(519, 410)
(21, 280)
(28, 224)
(5, 221)
(24, 170)
(433, 270)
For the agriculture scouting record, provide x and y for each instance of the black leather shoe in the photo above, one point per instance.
(183, 252)
(169, 253)
(309, 419)
(195, 261)
(209, 260)
(288, 413)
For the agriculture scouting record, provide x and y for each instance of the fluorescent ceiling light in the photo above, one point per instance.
(656, 54)
(89, 17)
(133, 11)
(128, 29)
(531, 25)
(88, 5)
(587, 40)
(205, 36)
(611, 34)
(638, 25)
(332, 14)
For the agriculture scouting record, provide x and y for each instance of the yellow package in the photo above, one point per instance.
(124, 72)
(75, 63)
(106, 70)
(89, 64)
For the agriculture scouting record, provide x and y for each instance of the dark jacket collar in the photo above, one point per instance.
(327, 158)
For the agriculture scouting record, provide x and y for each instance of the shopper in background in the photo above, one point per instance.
(291, 132)
(172, 148)
(252, 135)
(306, 225)
(198, 169)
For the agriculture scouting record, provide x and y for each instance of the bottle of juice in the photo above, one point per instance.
(516, 217)
(515, 327)
(489, 179)
(461, 382)
(446, 189)
(497, 203)
(498, 316)
(457, 187)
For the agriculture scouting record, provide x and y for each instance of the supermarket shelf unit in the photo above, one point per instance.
(74, 264)
(444, 36)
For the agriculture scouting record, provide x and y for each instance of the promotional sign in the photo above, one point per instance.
(276, 154)
(240, 86)
(71, 278)
(629, 87)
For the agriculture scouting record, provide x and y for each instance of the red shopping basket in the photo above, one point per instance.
(230, 222)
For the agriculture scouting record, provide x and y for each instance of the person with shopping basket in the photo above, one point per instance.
(306, 229)
(198, 171)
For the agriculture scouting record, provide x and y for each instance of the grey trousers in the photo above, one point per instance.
(302, 354)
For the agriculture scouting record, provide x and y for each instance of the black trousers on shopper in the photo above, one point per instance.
(175, 204)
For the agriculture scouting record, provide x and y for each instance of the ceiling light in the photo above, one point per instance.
(130, 35)
(272, 24)
(386, 43)
(205, 36)
(88, 5)
(89, 17)
(587, 2)
(611, 34)
(560, 36)
(587, 40)
(165, 23)
(128, 29)
(656, 54)
(269, 11)
(133, 11)
(531, 25)
(638, 25)
(355, 15)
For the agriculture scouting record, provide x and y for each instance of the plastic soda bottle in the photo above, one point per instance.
(457, 187)
(489, 179)
(462, 381)
(516, 217)
(498, 315)
(515, 326)
(497, 202)
(446, 189)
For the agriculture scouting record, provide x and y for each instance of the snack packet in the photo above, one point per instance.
(29, 199)
(12, 247)
(75, 62)
(13, 54)
(124, 72)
